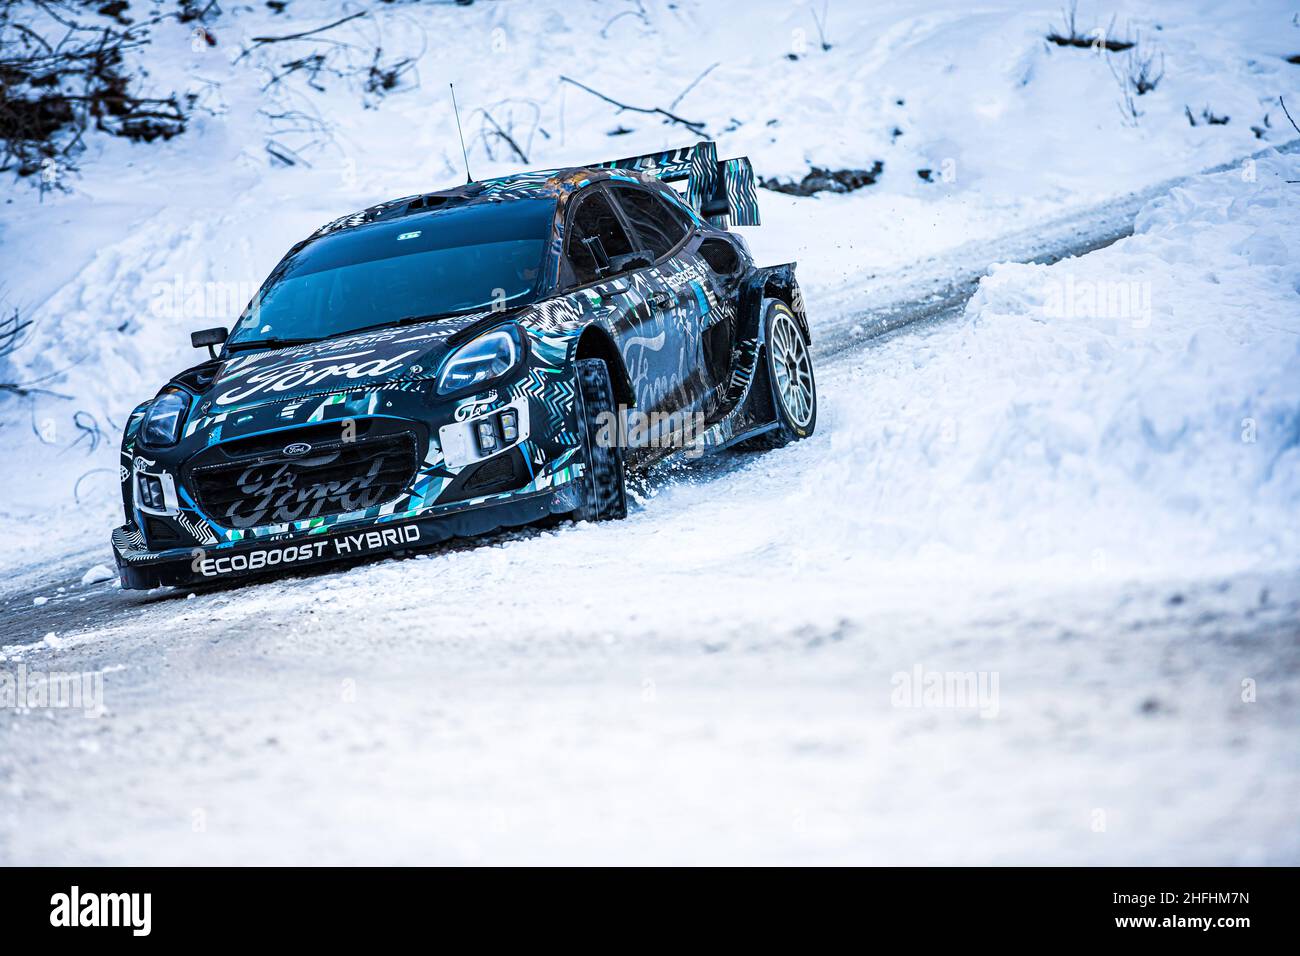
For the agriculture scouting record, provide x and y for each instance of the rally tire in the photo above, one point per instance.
(605, 491)
(787, 361)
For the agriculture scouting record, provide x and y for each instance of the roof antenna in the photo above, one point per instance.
(455, 109)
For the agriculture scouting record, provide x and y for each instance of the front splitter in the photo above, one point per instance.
(140, 569)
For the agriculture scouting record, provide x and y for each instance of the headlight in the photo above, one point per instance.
(163, 421)
(489, 356)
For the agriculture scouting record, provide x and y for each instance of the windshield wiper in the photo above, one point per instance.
(272, 342)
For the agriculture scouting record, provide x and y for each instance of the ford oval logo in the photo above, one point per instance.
(297, 448)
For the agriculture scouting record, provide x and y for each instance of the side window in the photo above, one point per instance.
(656, 225)
(595, 234)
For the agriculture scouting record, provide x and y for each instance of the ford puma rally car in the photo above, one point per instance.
(466, 360)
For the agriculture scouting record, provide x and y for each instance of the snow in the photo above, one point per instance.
(1135, 408)
(97, 573)
(1084, 486)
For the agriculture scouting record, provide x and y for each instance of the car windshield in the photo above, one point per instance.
(423, 266)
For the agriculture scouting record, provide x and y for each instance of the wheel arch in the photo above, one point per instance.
(596, 342)
(771, 282)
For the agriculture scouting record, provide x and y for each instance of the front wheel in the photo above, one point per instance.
(790, 372)
(605, 495)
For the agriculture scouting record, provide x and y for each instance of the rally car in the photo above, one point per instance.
(465, 360)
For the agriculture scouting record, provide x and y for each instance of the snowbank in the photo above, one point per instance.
(1135, 409)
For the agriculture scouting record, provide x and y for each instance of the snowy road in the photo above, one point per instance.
(402, 733)
(737, 673)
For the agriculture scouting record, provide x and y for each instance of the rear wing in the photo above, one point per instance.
(722, 192)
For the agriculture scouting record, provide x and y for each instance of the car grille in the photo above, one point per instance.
(330, 479)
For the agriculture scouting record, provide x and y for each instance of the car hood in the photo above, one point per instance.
(354, 362)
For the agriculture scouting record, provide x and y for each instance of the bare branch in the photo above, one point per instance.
(694, 126)
(308, 33)
(502, 134)
(76, 487)
(821, 24)
(1288, 114)
(639, 12)
(695, 82)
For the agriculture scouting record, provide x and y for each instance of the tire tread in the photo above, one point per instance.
(606, 487)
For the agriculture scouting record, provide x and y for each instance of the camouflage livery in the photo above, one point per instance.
(343, 446)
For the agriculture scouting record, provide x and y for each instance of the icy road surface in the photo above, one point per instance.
(413, 713)
(740, 671)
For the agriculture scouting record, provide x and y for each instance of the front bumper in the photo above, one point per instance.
(142, 569)
(325, 475)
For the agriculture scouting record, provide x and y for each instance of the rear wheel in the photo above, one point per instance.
(605, 491)
(790, 372)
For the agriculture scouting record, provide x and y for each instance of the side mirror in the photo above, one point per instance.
(627, 262)
(209, 337)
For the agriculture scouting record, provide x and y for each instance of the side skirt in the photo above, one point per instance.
(753, 413)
